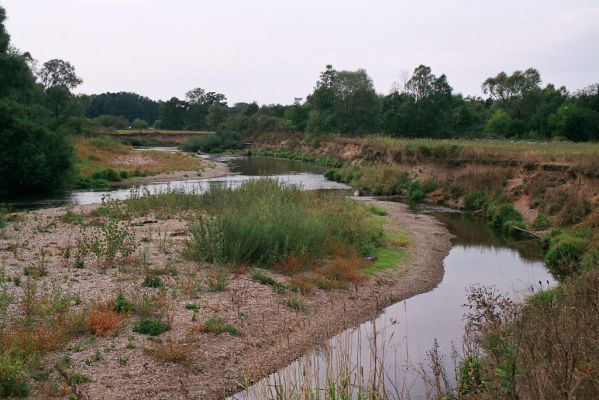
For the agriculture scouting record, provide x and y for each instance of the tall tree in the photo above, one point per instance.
(58, 72)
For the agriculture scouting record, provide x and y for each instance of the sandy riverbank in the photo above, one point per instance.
(271, 335)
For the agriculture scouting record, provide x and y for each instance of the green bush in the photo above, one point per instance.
(213, 142)
(475, 200)
(264, 221)
(542, 298)
(152, 327)
(542, 221)
(564, 253)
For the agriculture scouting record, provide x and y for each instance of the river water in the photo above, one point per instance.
(397, 341)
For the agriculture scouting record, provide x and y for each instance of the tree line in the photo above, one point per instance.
(424, 105)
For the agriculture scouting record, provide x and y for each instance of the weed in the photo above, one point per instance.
(150, 327)
(377, 210)
(104, 319)
(298, 304)
(169, 352)
(216, 325)
(122, 304)
(122, 360)
(152, 282)
(192, 306)
(264, 279)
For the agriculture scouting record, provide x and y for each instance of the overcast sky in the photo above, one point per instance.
(273, 50)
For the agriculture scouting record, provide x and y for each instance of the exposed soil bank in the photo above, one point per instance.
(271, 334)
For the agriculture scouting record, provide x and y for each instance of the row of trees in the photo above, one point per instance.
(424, 105)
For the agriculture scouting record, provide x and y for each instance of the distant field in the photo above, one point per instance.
(159, 132)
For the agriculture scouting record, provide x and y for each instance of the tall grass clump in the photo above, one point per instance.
(264, 222)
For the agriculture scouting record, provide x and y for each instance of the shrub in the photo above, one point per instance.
(213, 142)
(152, 282)
(152, 327)
(542, 221)
(216, 325)
(475, 200)
(564, 253)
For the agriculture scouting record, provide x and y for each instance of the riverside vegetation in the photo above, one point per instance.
(101, 287)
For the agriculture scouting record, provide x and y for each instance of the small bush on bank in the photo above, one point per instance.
(213, 142)
(564, 253)
(542, 221)
(475, 200)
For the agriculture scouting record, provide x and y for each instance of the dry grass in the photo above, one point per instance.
(169, 352)
(585, 155)
(103, 320)
(98, 153)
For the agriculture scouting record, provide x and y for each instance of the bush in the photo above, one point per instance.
(152, 327)
(475, 200)
(213, 142)
(542, 221)
(152, 282)
(564, 253)
(123, 305)
(264, 221)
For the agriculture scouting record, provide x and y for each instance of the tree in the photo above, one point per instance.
(32, 158)
(172, 114)
(216, 115)
(503, 86)
(129, 105)
(58, 72)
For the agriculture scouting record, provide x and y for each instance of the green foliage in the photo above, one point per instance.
(123, 305)
(216, 325)
(32, 159)
(542, 221)
(152, 327)
(152, 282)
(298, 304)
(264, 221)
(475, 200)
(542, 298)
(564, 253)
(264, 279)
(377, 210)
(13, 378)
(213, 142)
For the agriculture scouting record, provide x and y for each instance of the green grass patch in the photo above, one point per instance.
(264, 279)
(216, 325)
(377, 210)
(152, 327)
(265, 222)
